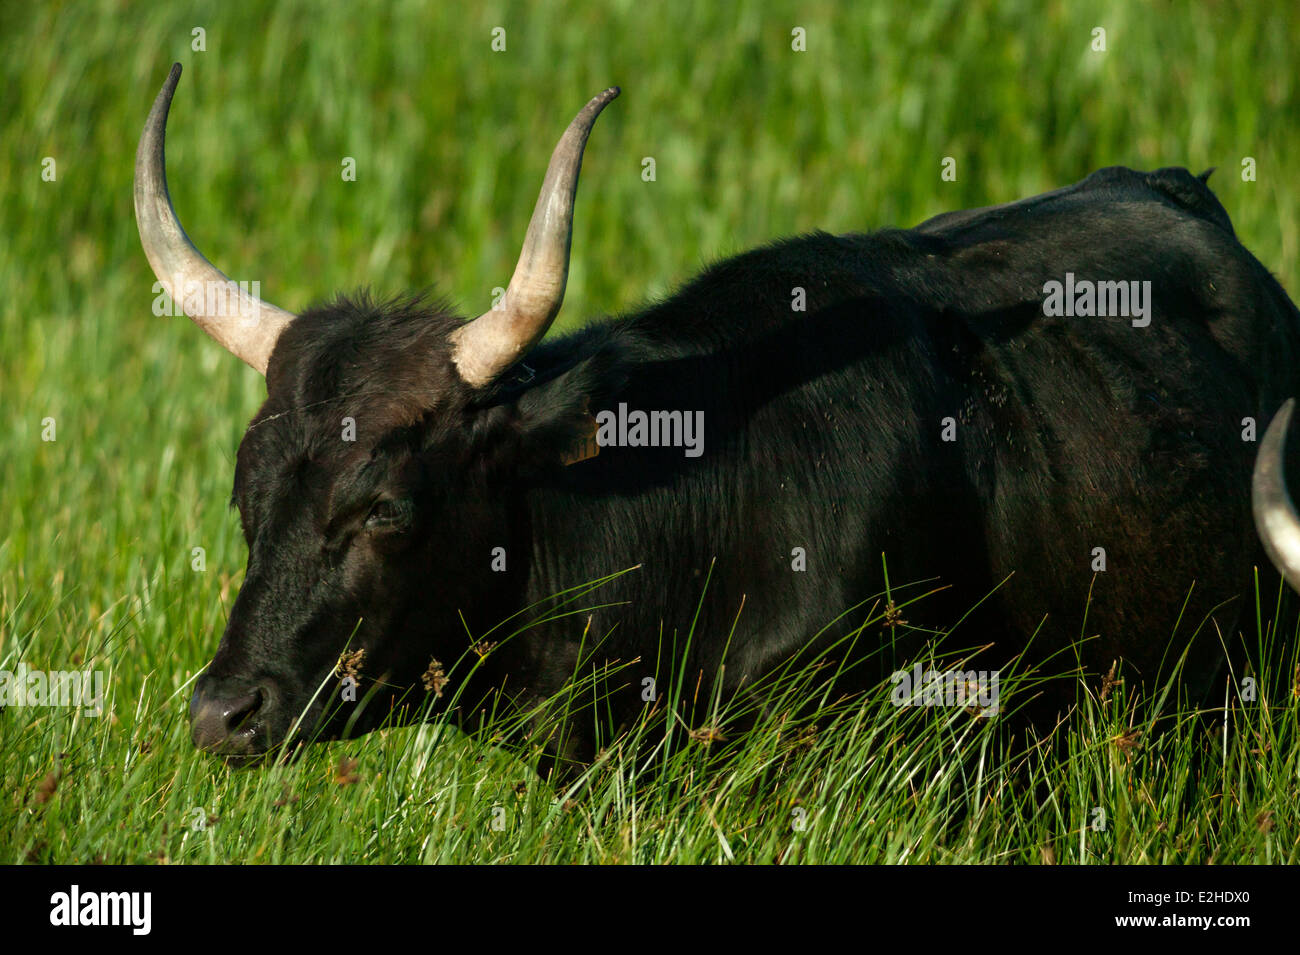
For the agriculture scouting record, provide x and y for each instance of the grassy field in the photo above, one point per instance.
(751, 140)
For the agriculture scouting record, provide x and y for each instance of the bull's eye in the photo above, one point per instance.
(389, 513)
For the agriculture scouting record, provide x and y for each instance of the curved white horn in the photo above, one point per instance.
(242, 323)
(1275, 516)
(497, 339)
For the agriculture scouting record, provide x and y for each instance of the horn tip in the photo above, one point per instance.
(169, 84)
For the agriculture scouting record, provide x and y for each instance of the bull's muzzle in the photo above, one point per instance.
(227, 721)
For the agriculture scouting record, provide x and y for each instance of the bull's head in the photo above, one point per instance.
(375, 468)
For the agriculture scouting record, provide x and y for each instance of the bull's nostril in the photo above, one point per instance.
(240, 710)
(213, 719)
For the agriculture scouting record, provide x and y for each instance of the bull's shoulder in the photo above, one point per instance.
(750, 295)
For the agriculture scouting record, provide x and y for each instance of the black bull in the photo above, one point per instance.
(413, 479)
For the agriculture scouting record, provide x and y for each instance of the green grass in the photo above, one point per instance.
(856, 780)
(751, 141)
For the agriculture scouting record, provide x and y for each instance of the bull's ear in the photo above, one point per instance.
(548, 425)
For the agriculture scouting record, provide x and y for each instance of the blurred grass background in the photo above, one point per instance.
(751, 140)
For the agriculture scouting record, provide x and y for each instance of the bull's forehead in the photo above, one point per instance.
(378, 358)
(346, 380)
(313, 457)
(328, 439)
